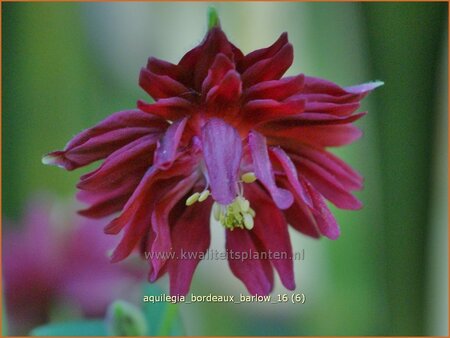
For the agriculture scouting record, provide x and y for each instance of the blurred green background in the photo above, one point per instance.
(65, 66)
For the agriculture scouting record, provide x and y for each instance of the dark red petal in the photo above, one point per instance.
(105, 203)
(153, 186)
(162, 67)
(134, 217)
(300, 217)
(324, 218)
(94, 149)
(256, 274)
(169, 109)
(327, 98)
(271, 229)
(161, 86)
(221, 66)
(191, 236)
(109, 135)
(162, 242)
(278, 90)
(264, 172)
(264, 53)
(348, 177)
(343, 109)
(291, 175)
(215, 42)
(262, 111)
(316, 85)
(327, 184)
(226, 93)
(105, 208)
(118, 166)
(318, 136)
(271, 68)
(237, 54)
(167, 147)
(311, 119)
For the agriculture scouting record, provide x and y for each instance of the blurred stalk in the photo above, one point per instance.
(437, 255)
(405, 41)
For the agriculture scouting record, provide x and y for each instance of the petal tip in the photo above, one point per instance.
(364, 88)
(55, 158)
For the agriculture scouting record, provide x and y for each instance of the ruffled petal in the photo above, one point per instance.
(263, 170)
(107, 188)
(107, 203)
(263, 53)
(222, 152)
(327, 97)
(221, 66)
(278, 90)
(261, 111)
(171, 109)
(106, 137)
(271, 229)
(311, 119)
(161, 86)
(190, 237)
(162, 67)
(315, 85)
(135, 218)
(215, 42)
(324, 218)
(327, 184)
(292, 176)
(300, 216)
(118, 166)
(317, 136)
(162, 243)
(226, 93)
(349, 178)
(256, 274)
(136, 215)
(271, 68)
(330, 108)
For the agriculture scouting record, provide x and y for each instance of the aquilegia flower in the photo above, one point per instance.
(226, 134)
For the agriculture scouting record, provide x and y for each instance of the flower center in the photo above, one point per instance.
(237, 214)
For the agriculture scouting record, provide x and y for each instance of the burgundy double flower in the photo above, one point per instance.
(226, 135)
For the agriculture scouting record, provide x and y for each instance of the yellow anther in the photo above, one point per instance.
(251, 212)
(192, 199)
(244, 204)
(248, 221)
(249, 177)
(237, 214)
(203, 196)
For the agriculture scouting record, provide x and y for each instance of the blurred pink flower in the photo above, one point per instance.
(55, 264)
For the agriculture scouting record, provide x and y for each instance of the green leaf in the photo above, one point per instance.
(125, 319)
(94, 327)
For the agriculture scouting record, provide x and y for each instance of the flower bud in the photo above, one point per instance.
(125, 319)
